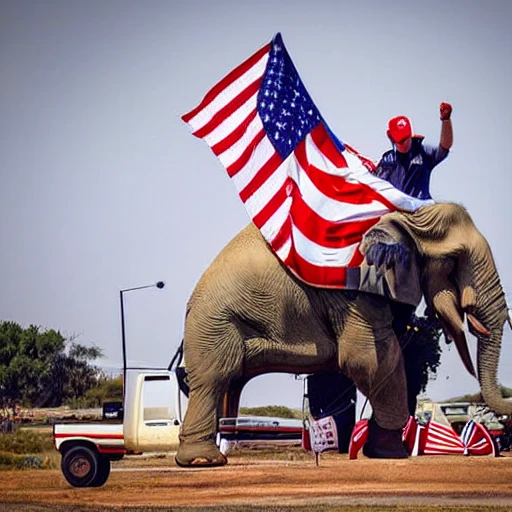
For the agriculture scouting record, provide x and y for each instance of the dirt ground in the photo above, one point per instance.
(417, 481)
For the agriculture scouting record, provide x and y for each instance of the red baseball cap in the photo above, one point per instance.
(399, 129)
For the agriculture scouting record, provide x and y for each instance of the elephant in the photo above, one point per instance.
(249, 315)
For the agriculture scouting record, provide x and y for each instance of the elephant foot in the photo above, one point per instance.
(199, 455)
(383, 443)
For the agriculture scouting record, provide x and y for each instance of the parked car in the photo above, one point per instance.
(113, 411)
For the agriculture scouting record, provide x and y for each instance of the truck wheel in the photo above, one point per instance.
(103, 471)
(83, 467)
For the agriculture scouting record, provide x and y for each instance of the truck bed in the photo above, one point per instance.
(107, 437)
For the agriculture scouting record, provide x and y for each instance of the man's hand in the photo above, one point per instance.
(445, 109)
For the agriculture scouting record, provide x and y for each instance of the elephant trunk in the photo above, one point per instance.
(483, 300)
(461, 279)
(488, 358)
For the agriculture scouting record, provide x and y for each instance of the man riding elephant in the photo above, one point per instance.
(300, 289)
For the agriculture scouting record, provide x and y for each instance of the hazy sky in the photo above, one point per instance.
(103, 187)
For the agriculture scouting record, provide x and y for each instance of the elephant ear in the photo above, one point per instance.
(390, 266)
(386, 247)
(385, 256)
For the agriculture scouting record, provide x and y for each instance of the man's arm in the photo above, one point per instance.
(446, 139)
(383, 168)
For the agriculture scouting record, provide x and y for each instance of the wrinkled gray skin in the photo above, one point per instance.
(248, 315)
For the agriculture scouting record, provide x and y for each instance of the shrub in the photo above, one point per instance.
(279, 411)
(9, 460)
(26, 442)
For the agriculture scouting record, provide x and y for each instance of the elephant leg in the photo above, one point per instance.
(197, 435)
(369, 353)
(214, 357)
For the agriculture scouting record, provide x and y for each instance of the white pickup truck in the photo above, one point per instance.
(153, 407)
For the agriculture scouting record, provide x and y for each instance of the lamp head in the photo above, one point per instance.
(160, 284)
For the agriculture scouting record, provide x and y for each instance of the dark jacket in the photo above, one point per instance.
(410, 172)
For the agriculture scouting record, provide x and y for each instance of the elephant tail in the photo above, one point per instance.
(177, 357)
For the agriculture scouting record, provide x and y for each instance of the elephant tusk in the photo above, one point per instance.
(468, 297)
(462, 348)
(458, 337)
(477, 325)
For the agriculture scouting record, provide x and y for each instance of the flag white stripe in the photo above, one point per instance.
(263, 152)
(319, 255)
(333, 210)
(233, 153)
(357, 173)
(230, 92)
(232, 122)
(271, 228)
(284, 250)
(355, 165)
(268, 190)
(317, 158)
(392, 194)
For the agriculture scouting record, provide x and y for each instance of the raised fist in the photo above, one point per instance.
(445, 109)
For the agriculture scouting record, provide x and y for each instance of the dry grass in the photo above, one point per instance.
(451, 484)
(28, 449)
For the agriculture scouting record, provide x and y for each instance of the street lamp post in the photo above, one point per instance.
(160, 285)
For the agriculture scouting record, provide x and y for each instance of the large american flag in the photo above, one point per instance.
(312, 196)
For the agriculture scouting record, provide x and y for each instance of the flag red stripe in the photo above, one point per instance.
(267, 169)
(235, 135)
(273, 205)
(283, 235)
(336, 187)
(227, 81)
(366, 161)
(324, 232)
(326, 277)
(238, 164)
(226, 111)
(326, 145)
(358, 257)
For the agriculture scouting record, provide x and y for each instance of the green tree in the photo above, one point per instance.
(106, 390)
(422, 354)
(41, 368)
(279, 411)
